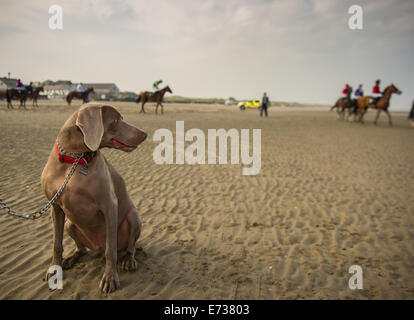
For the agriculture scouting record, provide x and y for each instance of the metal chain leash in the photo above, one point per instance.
(37, 214)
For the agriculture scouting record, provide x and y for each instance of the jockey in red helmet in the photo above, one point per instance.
(376, 92)
(345, 90)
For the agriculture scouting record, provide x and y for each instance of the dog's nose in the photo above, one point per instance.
(144, 135)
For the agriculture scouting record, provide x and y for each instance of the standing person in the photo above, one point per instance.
(265, 104)
(376, 92)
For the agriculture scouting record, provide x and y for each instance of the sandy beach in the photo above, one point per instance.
(330, 194)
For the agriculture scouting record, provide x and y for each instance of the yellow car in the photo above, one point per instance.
(250, 104)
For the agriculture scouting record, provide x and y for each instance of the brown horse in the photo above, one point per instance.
(345, 103)
(382, 104)
(79, 95)
(157, 96)
(12, 93)
(33, 95)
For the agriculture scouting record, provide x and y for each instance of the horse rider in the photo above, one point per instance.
(156, 84)
(345, 90)
(19, 85)
(30, 88)
(80, 87)
(359, 92)
(376, 92)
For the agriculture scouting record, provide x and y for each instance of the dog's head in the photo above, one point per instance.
(103, 126)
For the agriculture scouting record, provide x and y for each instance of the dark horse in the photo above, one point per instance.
(33, 95)
(382, 104)
(157, 96)
(79, 95)
(12, 93)
(345, 103)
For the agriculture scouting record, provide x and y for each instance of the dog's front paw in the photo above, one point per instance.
(129, 263)
(109, 282)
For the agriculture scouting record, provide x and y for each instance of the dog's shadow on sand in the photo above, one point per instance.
(91, 258)
(94, 262)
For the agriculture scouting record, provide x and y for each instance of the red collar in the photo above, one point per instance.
(87, 157)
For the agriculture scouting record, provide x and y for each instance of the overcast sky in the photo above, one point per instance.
(296, 50)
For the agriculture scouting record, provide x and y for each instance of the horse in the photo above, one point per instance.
(411, 115)
(345, 103)
(382, 104)
(79, 95)
(15, 93)
(157, 96)
(33, 95)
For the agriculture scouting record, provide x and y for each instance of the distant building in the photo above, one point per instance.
(58, 82)
(3, 89)
(127, 96)
(57, 91)
(103, 91)
(230, 101)
(7, 82)
(37, 83)
(3, 86)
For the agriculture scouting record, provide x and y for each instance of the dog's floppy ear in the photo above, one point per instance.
(90, 122)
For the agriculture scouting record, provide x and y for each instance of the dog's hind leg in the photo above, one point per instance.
(74, 233)
(134, 223)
